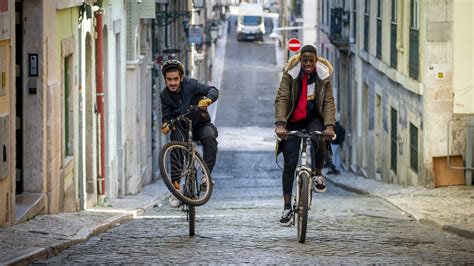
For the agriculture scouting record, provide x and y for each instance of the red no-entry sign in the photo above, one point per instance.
(294, 45)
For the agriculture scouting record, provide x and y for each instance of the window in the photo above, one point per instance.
(68, 124)
(414, 54)
(379, 30)
(366, 25)
(414, 148)
(323, 9)
(393, 35)
(415, 14)
(354, 20)
(328, 12)
(393, 140)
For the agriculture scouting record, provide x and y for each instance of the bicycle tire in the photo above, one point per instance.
(190, 183)
(191, 219)
(303, 206)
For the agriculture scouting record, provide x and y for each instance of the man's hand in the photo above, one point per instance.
(329, 133)
(204, 103)
(165, 128)
(281, 132)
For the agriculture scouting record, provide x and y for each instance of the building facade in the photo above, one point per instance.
(396, 88)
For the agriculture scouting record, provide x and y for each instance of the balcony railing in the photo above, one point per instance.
(337, 35)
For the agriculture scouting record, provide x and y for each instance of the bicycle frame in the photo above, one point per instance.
(304, 167)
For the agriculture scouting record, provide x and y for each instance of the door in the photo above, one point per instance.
(19, 97)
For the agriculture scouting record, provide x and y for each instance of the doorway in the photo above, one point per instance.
(378, 137)
(19, 96)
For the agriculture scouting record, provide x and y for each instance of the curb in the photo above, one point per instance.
(29, 255)
(348, 188)
(450, 228)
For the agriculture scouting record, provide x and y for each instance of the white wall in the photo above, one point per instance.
(463, 69)
(310, 19)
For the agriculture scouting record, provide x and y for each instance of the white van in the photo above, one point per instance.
(251, 22)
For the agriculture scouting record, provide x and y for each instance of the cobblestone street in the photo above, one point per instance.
(239, 225)
(240, 222)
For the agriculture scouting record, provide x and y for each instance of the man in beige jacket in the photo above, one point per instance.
(304, 100)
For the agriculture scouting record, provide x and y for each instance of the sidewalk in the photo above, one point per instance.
(447, 208)
(47, 235)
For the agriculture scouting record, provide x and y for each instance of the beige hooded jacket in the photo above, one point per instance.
(285, 100)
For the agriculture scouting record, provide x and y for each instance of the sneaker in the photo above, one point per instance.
(203, 186)
(174, 202)
(286, 217)
(333, 172)
(319, 184)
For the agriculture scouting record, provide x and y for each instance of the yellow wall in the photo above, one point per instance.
(4, 68)
(5, 185)
(463, 69)
(67, 24)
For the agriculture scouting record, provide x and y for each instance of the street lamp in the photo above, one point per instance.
(165, 18)
(198, 4)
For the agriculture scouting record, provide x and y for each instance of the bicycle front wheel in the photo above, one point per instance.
(181, 164)
(303, 206)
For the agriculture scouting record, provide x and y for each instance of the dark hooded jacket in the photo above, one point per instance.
(174, 104)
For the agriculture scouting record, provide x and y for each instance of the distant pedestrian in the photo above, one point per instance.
(329, 161)
(336, 147)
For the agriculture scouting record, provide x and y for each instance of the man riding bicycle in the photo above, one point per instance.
(304, 100)
(181, 93)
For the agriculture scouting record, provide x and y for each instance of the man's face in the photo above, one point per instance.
(308, 62)
(173, 80)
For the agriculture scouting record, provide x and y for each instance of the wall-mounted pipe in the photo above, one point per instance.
(100, 101)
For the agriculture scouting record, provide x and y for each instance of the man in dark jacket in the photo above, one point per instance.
(304, 100)
(179, 95)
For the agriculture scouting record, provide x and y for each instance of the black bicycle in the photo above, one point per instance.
(304, 188)
(184, 171)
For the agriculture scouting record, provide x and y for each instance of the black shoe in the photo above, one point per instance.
(286, 217)
(319, 184)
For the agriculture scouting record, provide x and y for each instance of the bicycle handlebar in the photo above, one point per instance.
(191, 109)
(303, 134)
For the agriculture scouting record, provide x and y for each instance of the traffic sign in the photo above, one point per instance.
(294, 45)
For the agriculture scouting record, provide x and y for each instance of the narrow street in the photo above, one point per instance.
(240, 222)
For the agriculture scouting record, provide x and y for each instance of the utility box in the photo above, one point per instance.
(4, 146)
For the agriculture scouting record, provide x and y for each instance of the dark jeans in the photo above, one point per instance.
(206, 133)
(291, 150)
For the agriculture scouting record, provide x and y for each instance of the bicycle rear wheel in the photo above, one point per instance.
(303, 206)
(191, 219)
(179, 162)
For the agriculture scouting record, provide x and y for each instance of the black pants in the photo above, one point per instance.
(291, 150)
(206, 133)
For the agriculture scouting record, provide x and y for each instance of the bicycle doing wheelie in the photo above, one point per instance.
(304, 188)
(184, 171)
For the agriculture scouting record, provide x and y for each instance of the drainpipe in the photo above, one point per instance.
(100, 103)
